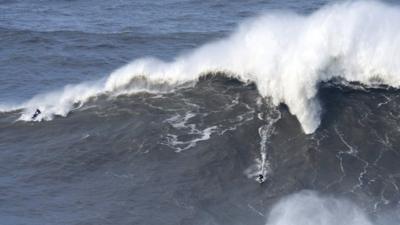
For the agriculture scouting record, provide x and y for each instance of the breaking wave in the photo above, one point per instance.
(308, 207)
(285, 54)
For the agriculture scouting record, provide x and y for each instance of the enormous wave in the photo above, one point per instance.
(285, 54)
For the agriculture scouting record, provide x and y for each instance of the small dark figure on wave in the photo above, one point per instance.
(260, 178)
(36, 114)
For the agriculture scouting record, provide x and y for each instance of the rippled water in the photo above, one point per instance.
(191, 154)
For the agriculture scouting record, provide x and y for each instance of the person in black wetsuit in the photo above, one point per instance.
(36, 114)
(261, 178)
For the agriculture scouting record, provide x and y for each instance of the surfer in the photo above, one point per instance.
(36, 114)
(261, 178)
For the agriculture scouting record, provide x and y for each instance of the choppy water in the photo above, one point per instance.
(306, 97)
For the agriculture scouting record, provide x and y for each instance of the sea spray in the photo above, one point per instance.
(308, 207)
(285, 54)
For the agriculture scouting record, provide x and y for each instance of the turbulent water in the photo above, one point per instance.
(168, 112)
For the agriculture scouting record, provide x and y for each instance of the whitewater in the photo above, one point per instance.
(287, 56)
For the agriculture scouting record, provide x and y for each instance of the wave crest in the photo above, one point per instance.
(285, 54)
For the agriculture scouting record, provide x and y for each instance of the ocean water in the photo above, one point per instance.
(168, 112)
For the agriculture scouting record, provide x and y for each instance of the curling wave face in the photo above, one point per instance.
(285, 54)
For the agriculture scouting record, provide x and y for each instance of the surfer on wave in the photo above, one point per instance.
(260, 178)
(36, 114)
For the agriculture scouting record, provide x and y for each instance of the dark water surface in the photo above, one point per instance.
(191, 156)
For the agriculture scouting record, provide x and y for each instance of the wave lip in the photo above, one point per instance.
(286, 54)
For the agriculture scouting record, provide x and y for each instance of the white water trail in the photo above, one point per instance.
(287, 55)
(265, 132)
(262, 165)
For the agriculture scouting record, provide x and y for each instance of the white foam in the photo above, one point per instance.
(180, 122)
(308, 207)
(262, 164)
(285, 54)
